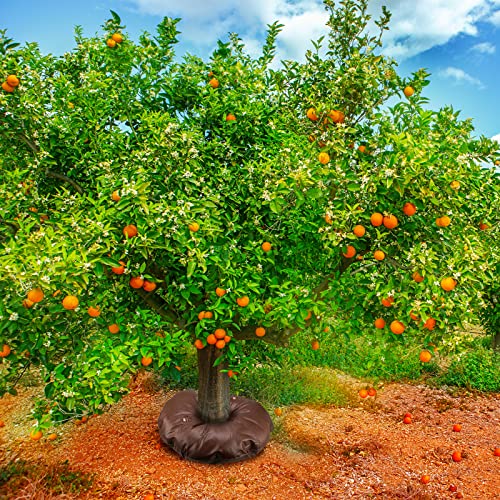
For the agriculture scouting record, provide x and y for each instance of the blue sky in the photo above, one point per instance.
(458, 41)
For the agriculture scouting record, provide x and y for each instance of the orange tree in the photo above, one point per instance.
(150, 203)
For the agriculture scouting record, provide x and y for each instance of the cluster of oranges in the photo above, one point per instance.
(364, 393)
(114, 39)
(10, 83)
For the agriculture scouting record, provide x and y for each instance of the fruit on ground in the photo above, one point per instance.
(425, 479)
(146, 360)
(408, 91)
(36, 435)
(70, 302)
(372, 392)
(278, 412)
(363, 393)
(397, 327)
(456, 456)
(457, 428)
(496, 452)
(407, 419)
(425, 356)
(52, 437)
(2, 423)
(130, 231)
(379, 323)
(376, 219)
(260, 331)
(35, 295)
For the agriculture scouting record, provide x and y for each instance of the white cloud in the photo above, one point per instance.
(495, 18)
(496, 138)
(460, 76)
(484, 48)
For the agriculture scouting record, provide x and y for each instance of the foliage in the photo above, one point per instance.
(108, 136)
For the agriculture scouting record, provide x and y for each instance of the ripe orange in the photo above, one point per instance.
(5, 351)
(194, 227)
(457, 428)
(407, 419)
(408, 91)
(149, 496)
(243, 301)
(417, 277)
(350, 252)
(266, 246)
(220, 344)
(149, 286)
(311, 114)
(230, 117)
(388, 301)
(12, 80)
(110, 43)
(114, 328)
(323, 158)
(36, 435)
(496, 452)
(260, 331)
(7, 87)
(409, 209)
(336, 116)
(425, 479)
(227, 339)
(136, 282)
(390, 221)
(363, 393)
(94, 312)
(120, 269)
(2, 423)
(448, 284)
(115, 196)
(372, 392)
(456, 456)
(146, 360)
(425, 356)
(130, 231)
(70, 302)
(35, 295)
(231, 373)
(362, 148)
(483, 226)
(430, 324)
(220, 292)
(117, 37)
(397, 327)
(314, 345)
(378, 255)
(201, 315)
(379, 323)
(278, 412)
(214, 83)
(220, 334)
(455, 185)
(444, 221)
(27, 303)
(359, 231)
(309, 316)
(376, 219)
(209, 315)
(414, 317)
(198, 344)
(328, 219)
(211, 339)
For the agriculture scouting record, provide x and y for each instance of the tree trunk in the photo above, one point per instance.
(213, 386)
(496, 341)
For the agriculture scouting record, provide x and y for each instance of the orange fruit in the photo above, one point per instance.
(407, 419)
(425, 479)
(309, 316)
(379, 323)
(363, 393)
(390, 221)
(231, 373)
(2, 423)
(362, 148)
(52, 437)
(119, 269)
(117, 37)
(211, 339)
(209, 314)
(220, 334)
(409, 209)
(408, 91)
(457, 428)
(230, 117)
(266, 246)
(378, 255)
(70, 302)
(149, 496)
(146, 360)
(5, 351)
(194, 227)
(136, 282)
(7, 87)
(314, 345)
(430, 324)
(350, 252)
(372, 392)
(448, 284)
(220, 292)
(27, 303)
(444, 221)
(388, 301)
(260, 331)
(496, 452)
(455, 185)
(414, 317)
(328, 219)
(114, 328)
(198, 344)
(36, 435)
(214, 83)
(359, 231)
(227, 339)
(417, 277)
(311, 114)
(323, 158)
(130, 231)
(243, 301)
(110, 43)
(376, 219)
(115, 196)
(12, 80)
(94, 312)
(425, 356)
(278, 412)
(456, 456)
(35, 295)
(149, 286)
(397, 327)
(201, 315)
(483, 226)
(220, 344)
(336, 116)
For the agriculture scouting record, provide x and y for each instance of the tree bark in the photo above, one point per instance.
(213, 387)
(496, 341)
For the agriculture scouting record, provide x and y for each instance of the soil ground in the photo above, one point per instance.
(361, 451)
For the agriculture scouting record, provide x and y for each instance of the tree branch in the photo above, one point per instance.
(65, 178)
(157, 304)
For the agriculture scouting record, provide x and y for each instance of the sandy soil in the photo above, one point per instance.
(363, 451)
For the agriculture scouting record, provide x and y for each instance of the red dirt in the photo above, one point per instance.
(316, 452)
